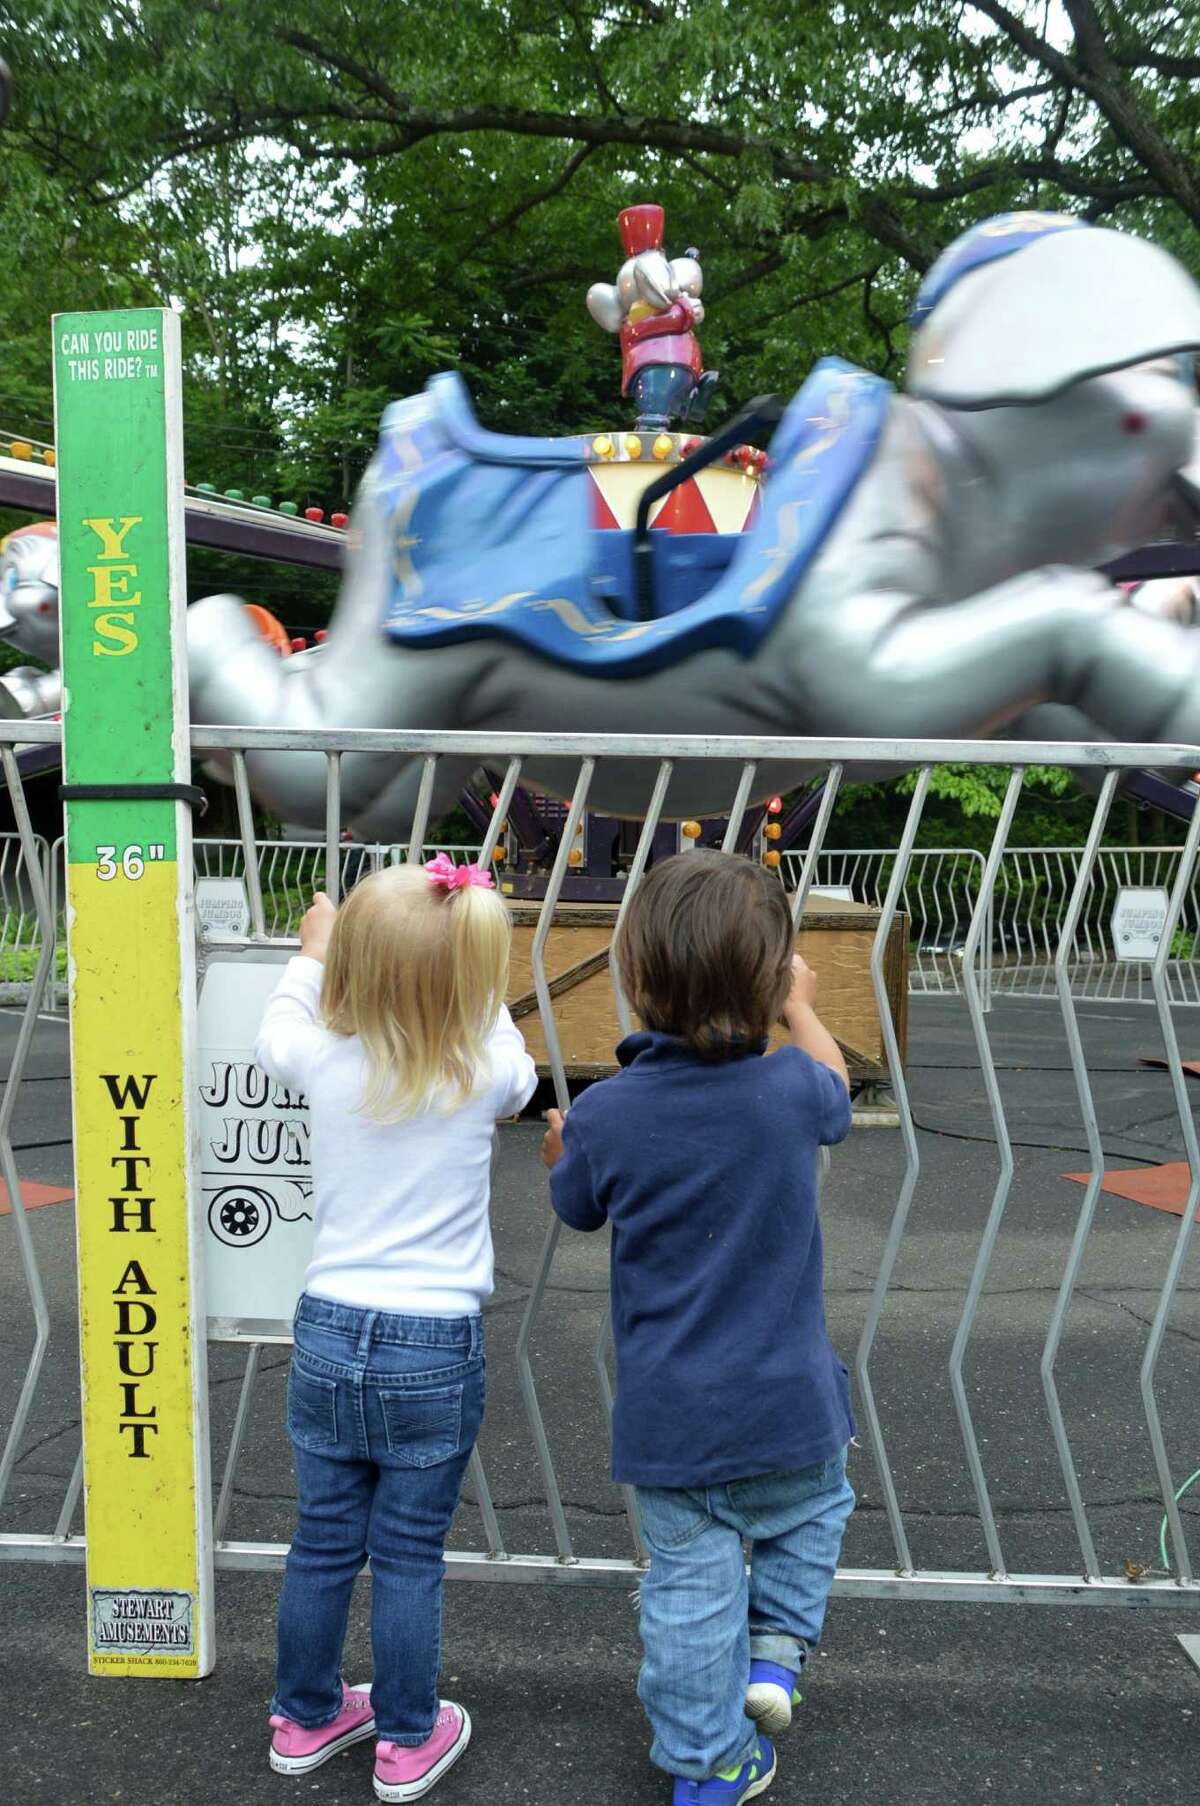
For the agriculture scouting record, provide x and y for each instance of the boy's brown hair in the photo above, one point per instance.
(705, 951)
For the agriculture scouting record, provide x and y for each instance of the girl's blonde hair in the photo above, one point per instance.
(418, 973)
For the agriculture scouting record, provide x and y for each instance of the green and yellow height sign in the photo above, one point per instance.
(132, 986)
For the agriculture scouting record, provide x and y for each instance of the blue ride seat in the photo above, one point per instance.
(492, 536)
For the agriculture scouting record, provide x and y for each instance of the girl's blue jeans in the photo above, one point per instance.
(383, 1412)
(703, 1616)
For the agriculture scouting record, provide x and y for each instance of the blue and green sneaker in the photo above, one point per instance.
(737, 1784)
(770, 1696)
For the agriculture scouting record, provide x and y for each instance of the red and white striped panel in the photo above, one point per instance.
(721, 499)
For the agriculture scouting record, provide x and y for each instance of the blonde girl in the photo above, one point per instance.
(392, 1023)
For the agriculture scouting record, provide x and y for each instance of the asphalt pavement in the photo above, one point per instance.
(907, 1701)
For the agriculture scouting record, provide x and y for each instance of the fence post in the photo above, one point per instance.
(131, 942)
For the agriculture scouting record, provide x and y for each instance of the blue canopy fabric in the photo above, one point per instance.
(492, 536)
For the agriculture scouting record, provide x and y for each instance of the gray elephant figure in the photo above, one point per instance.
(925, 563)
(29, 619)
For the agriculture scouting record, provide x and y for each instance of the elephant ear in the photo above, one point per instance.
(604, 305)
(688, 276)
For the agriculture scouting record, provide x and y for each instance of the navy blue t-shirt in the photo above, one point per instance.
(707, 1173)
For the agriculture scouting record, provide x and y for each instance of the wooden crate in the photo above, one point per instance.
(835, 939)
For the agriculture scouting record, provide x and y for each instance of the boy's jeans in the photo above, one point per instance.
(702, 1619)
(383, 1412)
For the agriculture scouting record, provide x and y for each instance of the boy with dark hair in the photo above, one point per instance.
(732, 1416)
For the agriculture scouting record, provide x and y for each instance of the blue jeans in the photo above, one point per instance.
(383, 1412)
(702, 1618)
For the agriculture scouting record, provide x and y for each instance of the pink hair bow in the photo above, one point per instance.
(443, 871)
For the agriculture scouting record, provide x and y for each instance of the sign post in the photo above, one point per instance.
(133, 991)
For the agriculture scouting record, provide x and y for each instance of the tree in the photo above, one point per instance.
(343, 199)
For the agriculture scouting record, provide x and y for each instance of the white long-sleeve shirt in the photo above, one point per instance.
(400, 1209)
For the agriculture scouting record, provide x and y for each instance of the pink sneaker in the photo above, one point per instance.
(294, 1750)
(406, 1771)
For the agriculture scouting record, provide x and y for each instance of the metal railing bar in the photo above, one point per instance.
(500, 813)
(641, 857)
(420, 820)
(545, 922)
(946, 1586)
(333, 827)
(816, 751)
(8, 1104)
(741, 797)
(966, 1324)
(487, 1510)
(1087, 1211)
(533, 1411)
(820, 828)
(245, 815)
(62, 1528)
(1183, 1104)
(237, 1436)
(908, 1185)
(600, 1353)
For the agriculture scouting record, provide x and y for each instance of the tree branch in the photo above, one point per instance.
(1095, 73)
(1029, 41)
(1034, 169)
(345, 65)
(828, 294)
(584, 40)
(536, 199)
(1119, 105)
(873, 319)
(992, 103)
(1188, 67)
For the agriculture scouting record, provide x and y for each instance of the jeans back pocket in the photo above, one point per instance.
(311, 1409)
(425, 1427)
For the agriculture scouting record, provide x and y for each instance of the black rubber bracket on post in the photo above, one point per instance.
(134, 793)
(764, 411)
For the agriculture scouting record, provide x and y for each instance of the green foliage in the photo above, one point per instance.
(342, 200)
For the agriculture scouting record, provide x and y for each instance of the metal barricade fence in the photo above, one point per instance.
(939, 892)
(1016, 954)
(580, 1549)
(289, 871)
(1033, 892)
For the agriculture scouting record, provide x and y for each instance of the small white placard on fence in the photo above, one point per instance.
(222, 908)
(255, 1169)
(840, 893)
(1138, 919)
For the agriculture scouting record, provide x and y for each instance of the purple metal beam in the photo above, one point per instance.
(1179, 559)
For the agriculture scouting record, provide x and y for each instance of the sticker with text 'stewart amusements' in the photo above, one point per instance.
(133, 988)
(132, 1623)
